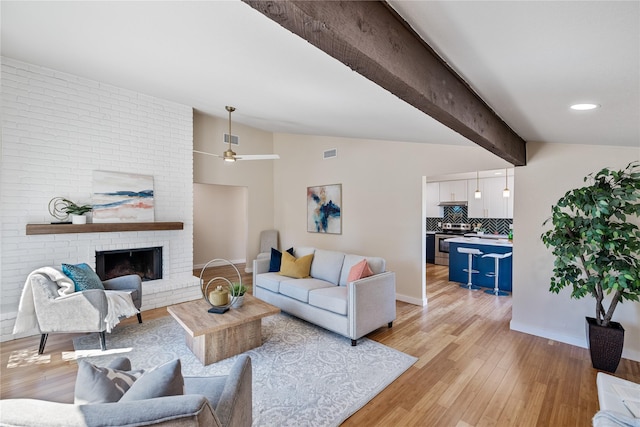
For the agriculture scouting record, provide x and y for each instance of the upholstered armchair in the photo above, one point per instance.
(268, 240)
(82, 311)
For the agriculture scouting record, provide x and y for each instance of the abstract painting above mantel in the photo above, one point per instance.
(122, 197)
(324, 209)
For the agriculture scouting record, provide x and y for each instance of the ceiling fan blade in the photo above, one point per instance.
(257, 157)
(230, 156)
(208, 154)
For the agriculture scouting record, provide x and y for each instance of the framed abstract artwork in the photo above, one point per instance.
(324, 209)
(122, 197)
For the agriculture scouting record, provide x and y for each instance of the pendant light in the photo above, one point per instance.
(478, 193)
(506, 193)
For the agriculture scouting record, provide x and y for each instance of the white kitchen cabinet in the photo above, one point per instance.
(495, 203)
(492, 204)
(453, 191)
(432, 197)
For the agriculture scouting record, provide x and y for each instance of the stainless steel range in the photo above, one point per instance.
(449, 230)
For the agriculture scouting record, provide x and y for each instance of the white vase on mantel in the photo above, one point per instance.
(78, 219)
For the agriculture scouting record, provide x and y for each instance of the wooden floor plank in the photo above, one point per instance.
(472, 369)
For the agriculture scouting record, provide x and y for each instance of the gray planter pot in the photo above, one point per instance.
(237, 303)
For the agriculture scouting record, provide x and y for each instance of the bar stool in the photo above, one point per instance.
(470, 254)
(495, 274)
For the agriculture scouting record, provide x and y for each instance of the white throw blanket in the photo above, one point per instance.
(614, 419)
(119, 303)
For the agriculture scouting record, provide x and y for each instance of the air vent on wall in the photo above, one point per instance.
(329, 154)
(234, 139)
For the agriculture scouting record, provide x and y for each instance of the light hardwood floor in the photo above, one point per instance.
(472, 370)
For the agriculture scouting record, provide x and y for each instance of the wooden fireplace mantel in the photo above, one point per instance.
(102, 227)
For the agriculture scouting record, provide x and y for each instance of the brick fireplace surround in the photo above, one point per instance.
(56, 130)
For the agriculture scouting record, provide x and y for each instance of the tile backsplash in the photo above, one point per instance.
(458, 214)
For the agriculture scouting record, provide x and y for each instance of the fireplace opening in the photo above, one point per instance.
(145, 262)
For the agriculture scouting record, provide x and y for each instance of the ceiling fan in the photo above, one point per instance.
(230, 156)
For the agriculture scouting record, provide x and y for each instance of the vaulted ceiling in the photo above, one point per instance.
(527, 60)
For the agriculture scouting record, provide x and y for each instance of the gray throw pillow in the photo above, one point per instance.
(164, 380)
(95, 384)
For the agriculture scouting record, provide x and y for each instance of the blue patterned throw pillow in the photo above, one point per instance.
(83, 276)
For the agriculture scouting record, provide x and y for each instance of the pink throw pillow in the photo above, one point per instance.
(359, 271)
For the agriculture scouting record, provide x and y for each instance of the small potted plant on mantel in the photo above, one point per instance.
(76, 211)
(597, 252)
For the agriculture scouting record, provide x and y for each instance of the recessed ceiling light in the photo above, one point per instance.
(583, 107)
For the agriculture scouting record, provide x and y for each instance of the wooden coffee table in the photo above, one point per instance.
(213, 337)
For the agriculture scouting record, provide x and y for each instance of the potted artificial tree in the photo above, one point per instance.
(76, 211)
(597, 253)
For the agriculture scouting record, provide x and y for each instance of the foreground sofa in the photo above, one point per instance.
(614, 412)
(221, 401)
(326, 298)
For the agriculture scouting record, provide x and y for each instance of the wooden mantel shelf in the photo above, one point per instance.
(102, 227)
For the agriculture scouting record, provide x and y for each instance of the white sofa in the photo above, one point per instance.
(614, 412)
(326, 298)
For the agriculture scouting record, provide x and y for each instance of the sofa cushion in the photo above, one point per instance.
(83, 276)
(270, 281)
(163, 380)
(299, 289)
(376, 264)
(359, 271)
(333, 299)
(95, 384)
(297, 268)
(276, 259)
(327, 265)
(302, 251)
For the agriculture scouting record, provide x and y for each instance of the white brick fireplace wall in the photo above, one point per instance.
(56, 130)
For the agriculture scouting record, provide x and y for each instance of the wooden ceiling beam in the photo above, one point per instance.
(371, 39)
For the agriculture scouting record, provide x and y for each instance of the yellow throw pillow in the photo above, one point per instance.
(296, 268)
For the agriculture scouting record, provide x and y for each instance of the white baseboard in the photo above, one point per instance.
(411, 300)
(219, 263)
(549, 334)
(567, 339)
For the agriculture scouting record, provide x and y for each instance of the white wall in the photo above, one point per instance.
(255, 175)
(219, 223)
(552, 170)
(381, 196)
(56, 130)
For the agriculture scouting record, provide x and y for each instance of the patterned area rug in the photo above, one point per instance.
(303, 375)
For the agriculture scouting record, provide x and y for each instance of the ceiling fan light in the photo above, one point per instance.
(584, 107)
(229, 156)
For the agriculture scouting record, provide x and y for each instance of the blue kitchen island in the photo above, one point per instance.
(458, 262)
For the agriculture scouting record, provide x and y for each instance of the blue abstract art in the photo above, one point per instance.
(324, 209)
(122, 197)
